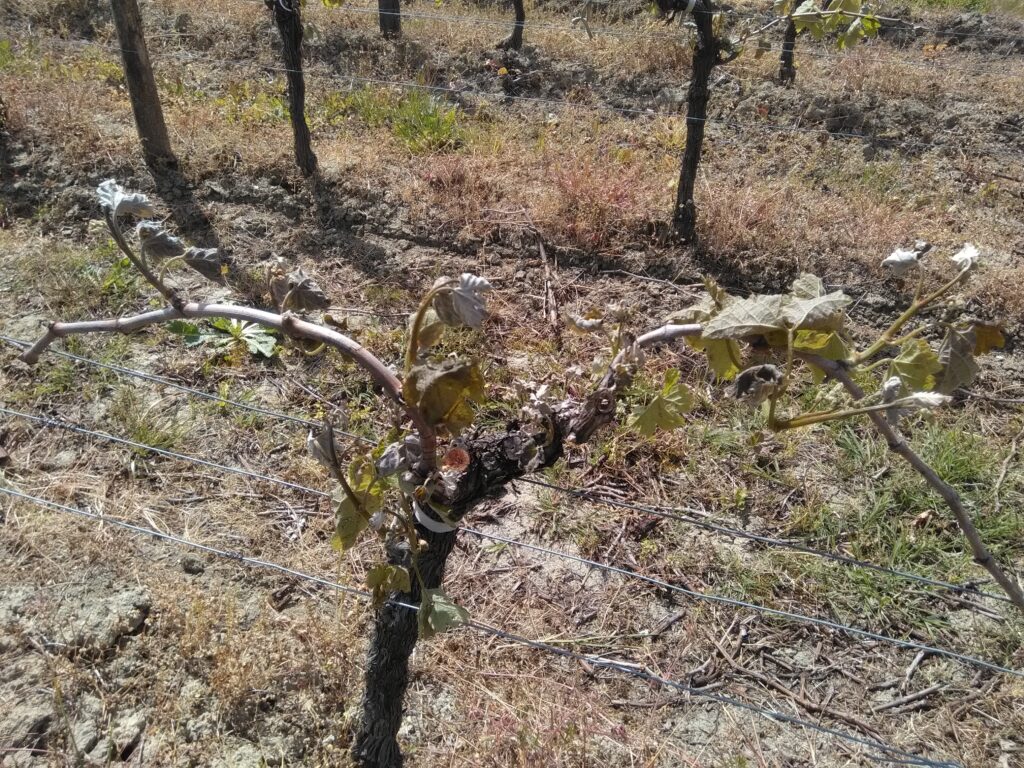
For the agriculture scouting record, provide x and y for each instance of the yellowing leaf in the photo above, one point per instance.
(442, 392)
(352, 512)
(383, 579)
(431, 329)
(916, 366)
(827, 344)
(438, 613)
(666, 410)
(723, 355)
(987, 338)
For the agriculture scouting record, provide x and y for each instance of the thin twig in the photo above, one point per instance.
(910, 698)
(996, 501)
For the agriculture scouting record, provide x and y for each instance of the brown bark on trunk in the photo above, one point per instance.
(705, 57)
(787, 69)
(138, 75)
(289, 25)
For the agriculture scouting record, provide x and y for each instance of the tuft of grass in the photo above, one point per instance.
(145, 423)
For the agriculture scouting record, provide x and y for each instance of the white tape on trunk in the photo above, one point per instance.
(432, 525)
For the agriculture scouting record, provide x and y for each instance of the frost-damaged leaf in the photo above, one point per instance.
(807, 286)
(589, 323)
(987, 338)
(115, 200)
(438, 613)
(757, 384)
(209, 262)
(300, 290)
(924, 400)
(722, 355)
(157, 243)
(384, 579)
(463, 304)
(352, 513)
(324, 446)
(443, 392)
(916, 366)
(829, 345)
(901, 260)
(956, 353)
(966, 257)
(747, 317)
(819, 313)
(667, 408)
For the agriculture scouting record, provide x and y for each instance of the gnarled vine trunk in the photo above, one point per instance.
(515, 40)
(289, 25)
(495, 460)
(705, 58)
(387, 668)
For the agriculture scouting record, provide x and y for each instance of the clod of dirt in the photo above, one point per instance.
(25, 723)
(192, 565)
(85, 623)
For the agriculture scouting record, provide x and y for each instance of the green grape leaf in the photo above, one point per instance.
(438, 613)
(666, 409)
(352, 512)
(916, 366)
(722, 355)
(384, 579)
(956, 353)
(747, 317)
(443, 392)
(987, 337)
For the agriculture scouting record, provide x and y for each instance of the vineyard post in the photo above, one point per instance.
(138, 75)
(390, 15)
(705, 58)
(289, 25)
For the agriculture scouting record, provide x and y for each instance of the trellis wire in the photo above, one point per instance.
(686, 515)
(901, 756)
(712, 598)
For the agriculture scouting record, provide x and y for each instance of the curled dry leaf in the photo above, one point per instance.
(966, 257)
(157, 243)
(925, 400)
(900, 261)
(114, 200)
(464, 304)
(209, 262)
(456, 460)
(757, 384)
(299, 290)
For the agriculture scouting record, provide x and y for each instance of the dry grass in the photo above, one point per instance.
(277, 662)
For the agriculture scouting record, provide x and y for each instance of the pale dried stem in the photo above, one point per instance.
(287, 324)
